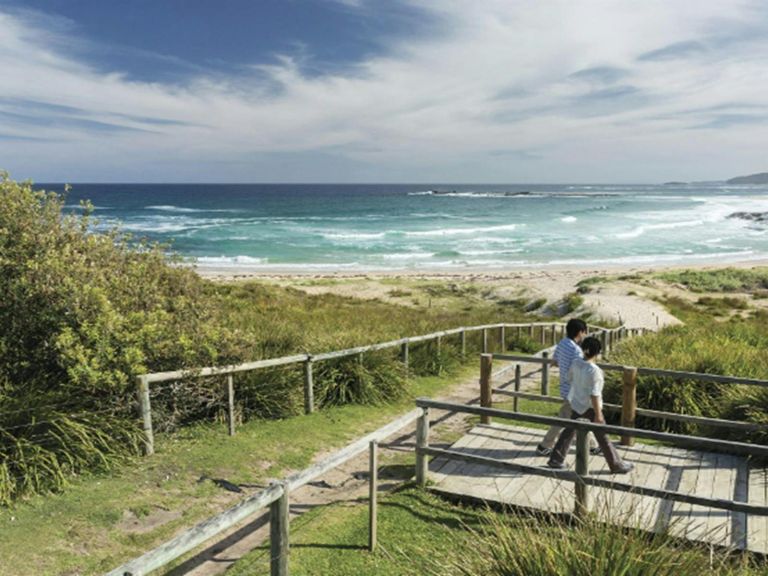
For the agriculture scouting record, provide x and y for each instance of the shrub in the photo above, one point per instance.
(81, 314)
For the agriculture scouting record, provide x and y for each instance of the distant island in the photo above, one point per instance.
(761, 178)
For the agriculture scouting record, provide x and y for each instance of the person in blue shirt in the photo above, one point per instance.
(567, 350)
(586, 399)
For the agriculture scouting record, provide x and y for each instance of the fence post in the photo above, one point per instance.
(278, 535)
(517, 386)
(582, 469)
(422, 441)
(373, 485)
(145, 410)
(543, 335)
(519, 332)
(608, 341)
(439, 359)
(503, 339)
(404, 356)
(486, 396)
(530, 331)
(485, 340)
(553, 341)
(545, 374)
(309, 387)
(463, 334)
(231, 404)
(629, 403)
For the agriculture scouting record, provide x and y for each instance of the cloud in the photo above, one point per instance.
(674, 51)
(599, 93)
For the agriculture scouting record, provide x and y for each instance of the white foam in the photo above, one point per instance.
(568, 219)
(168, 208)
(640, 230)
(354, 235)
(461, 231)
(240, 260)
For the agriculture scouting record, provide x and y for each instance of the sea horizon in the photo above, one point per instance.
(436, 227)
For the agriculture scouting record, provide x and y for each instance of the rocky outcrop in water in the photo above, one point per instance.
(750, 216)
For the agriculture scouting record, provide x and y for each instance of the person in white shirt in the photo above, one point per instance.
(568, 349)
(586, 400)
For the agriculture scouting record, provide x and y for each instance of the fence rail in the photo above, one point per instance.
(582, 479)
(277, 498)
(548, 331)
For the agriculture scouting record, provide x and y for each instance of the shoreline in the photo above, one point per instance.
(244, 273)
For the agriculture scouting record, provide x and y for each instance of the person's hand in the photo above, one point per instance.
(599, 419)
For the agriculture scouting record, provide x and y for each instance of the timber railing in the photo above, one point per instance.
(276, 497)
(628, 408)
(581, 477)
(543, 332)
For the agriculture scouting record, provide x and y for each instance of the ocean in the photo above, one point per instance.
(330, 227)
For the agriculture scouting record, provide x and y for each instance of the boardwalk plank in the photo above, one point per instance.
(757, 526)
(704, 474)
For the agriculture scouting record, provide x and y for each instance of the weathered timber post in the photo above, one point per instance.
(439, 344)
(519, 333)
(582, 469)
(360, 370)
(404, 356)
(231, 404)
(553, 341)
(309, 387)
(629, 403)
(608, 341)
(279, 535)
(543, 335)
(145, 410)
(530, 331)
(518, 381)
(373, 485)
(545, 374)
(602, 339)
(422, 441)
(486, 395)
(485, 340)
(463, 334)
(502, 339)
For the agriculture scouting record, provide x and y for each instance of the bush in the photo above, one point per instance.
(80, 315)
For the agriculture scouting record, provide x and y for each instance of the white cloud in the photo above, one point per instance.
(495, 76)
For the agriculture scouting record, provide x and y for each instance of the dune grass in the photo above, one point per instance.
(422, 534)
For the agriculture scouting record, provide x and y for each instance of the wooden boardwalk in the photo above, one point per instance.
(689, 471)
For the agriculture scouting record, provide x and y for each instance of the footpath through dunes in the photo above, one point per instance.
(345, 483)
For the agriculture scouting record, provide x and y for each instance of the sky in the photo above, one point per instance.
(464, 91)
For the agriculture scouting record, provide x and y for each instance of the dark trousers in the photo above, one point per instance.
(565, 440)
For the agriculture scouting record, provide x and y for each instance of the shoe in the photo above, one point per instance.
(555, 465)
(542, 450)
(624, 468)
(596, 451)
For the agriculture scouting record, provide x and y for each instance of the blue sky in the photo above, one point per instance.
(395, 91)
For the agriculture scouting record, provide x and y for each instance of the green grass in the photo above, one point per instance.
(723, 280)
(79, 531)
(419, 533)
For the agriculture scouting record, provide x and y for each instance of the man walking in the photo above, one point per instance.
(567, 350)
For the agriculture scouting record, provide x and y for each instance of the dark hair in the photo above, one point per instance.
(591, 347)
(575, 326)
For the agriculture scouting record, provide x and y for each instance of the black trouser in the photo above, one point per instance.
(566, 439)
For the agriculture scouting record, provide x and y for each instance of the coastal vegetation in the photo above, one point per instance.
(420, 533)
(84, 310)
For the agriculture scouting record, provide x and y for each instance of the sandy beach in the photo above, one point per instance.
(622, 299)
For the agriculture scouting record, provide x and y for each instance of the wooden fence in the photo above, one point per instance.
(543, 331)
(580, 477)
(628, 408)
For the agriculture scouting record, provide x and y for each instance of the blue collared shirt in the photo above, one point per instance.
(566, 351)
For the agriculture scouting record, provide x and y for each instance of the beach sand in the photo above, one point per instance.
(622, 299)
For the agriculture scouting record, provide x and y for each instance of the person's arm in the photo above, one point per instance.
(597, 396)
(597, 406)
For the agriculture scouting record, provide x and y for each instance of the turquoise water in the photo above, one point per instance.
(394, 227)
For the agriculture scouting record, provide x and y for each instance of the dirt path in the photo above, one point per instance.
(346, 483)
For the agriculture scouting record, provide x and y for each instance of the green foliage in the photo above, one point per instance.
(80, 315)
(543, 546)
(734, 346)
(572, 302)
(723, 280)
